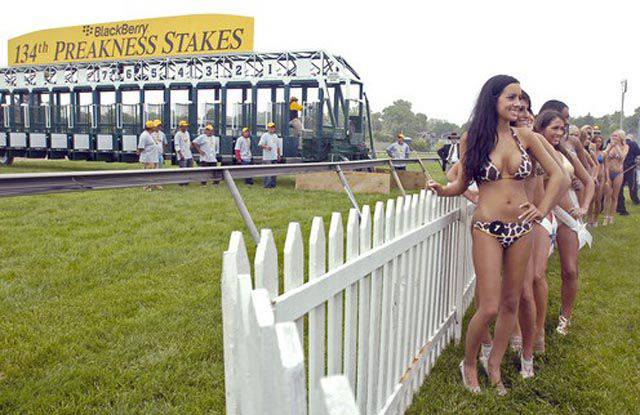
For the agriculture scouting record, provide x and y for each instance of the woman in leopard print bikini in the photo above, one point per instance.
(495, 155)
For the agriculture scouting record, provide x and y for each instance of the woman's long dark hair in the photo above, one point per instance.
(553, 105)
(527, 98)
(483, 127)
(544, 119)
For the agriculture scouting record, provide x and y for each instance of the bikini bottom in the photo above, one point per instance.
(506, 233)
(613, 175)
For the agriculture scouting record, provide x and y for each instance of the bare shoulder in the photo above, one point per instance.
(527, 136)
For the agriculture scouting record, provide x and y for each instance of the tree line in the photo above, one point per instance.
(425, 132)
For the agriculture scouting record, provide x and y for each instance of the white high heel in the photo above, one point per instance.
(526, 368)
(473, 389)
(563, 325)
(485, 351)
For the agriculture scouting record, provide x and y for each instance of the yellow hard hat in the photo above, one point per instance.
(271, 125)
(183, 123)
(150, 124)
(157, 122)
(245, 130)
(209, 127)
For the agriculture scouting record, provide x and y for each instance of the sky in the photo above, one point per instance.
(435, 54)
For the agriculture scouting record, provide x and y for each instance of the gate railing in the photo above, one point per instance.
(359, 330)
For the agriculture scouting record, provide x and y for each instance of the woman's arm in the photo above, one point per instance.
(452, 175)
(557, 184)
(556, 157)
(460, 182)
(583, 175)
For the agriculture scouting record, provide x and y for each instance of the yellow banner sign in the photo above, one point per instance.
(134, 39)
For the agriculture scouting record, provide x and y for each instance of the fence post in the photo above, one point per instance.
(461, 272)
(351, 301)
(334, 397)
(317, 318)
(266, 263)
(262, 353)
(335, 305)
(293, 264)
(292, 385)
(235, 262)
(364, 310)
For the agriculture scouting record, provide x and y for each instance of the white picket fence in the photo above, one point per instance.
(371, 320)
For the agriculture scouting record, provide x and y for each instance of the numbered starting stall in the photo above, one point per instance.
(76, 110)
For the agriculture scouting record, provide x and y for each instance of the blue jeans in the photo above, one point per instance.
(269, 181)
(245, 163)
(183, 164)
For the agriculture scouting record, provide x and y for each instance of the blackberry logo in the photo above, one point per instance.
(87, 30)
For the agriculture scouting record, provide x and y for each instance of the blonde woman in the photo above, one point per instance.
(615, 154)
(597, 151)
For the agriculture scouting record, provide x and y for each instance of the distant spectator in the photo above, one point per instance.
(182, 145)
(161, 139)
(450, 152)
(399, 151)
(243, 151)
(629, 178)
(148, 149)
(294, 120)
(271, 151)
(208, 146)
(454, 150)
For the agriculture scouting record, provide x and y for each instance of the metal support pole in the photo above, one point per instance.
(624, 91)
(237, 197)
(285, 117)
(394, 173)
(424, 170)
(223, 112)
(254, 110)
(194, 120)
(347, 188)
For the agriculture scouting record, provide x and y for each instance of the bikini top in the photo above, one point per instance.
(600, 159)
(490, 173)
(615, 156)
(567, 166)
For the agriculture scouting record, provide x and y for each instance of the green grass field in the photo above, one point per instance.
(110, 303)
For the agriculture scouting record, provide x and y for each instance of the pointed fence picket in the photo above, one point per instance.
(381, 298)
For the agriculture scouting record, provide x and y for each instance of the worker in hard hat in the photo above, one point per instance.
(207, 145)
(399, 151)
(271, 146)
(242, 151)
(148, 148)
(294, 120)
(182, 146)
(161, 139)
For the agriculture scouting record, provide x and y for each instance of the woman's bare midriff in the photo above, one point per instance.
(500, 200)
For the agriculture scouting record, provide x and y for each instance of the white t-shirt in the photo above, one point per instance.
(273, 141)
(161, 139)
(147, 144)
(209, 145)
(182, 143)
(244, 145)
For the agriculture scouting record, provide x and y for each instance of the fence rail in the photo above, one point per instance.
(360, 330)
(39, 183)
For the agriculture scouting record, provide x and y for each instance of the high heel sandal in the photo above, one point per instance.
(526, 368)
(485, 352)
(563, 325)
(500, 389)
(516, 343)
(473, 389)
(539, 346)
